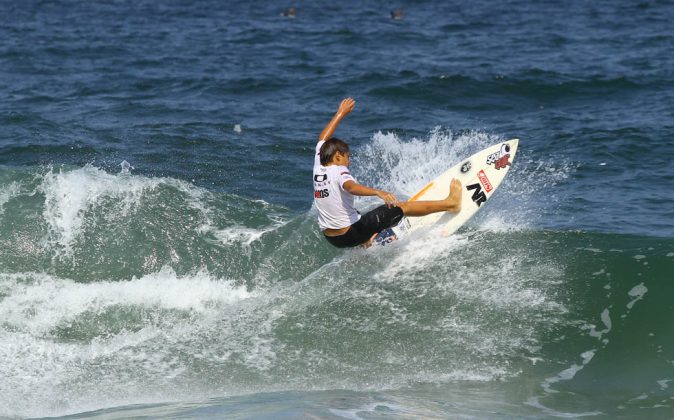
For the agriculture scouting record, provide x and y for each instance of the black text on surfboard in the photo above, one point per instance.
(479, 196)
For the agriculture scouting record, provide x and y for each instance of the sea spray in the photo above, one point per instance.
(403, 166)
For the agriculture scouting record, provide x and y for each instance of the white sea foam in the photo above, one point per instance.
(475, 375)
(44, 374)
(69, 195)
(37, 302)
(403, 166)
(499, 222)
(7, 193)
(568, 373)
(606, 320)
(497, 283)
(238, 234)
(637, 293)
(664, 383)
(76, 197)
(241, 234)
(261, 352)
(477, 285)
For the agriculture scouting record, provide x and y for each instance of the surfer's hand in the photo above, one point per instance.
(388, 198)
(346, 106)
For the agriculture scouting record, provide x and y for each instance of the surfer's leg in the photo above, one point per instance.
(421, 208)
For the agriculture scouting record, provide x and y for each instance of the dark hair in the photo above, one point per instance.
(330, 147)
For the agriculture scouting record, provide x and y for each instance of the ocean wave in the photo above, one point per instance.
(86, 222)
(534, 85)
(156, 290)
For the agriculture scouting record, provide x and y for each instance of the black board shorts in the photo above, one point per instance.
(374, 221)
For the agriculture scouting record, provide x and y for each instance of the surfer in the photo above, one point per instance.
(334, 188)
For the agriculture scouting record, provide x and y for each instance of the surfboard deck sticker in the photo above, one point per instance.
(480, 176)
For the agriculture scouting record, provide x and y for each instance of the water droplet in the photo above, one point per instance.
(126, 167)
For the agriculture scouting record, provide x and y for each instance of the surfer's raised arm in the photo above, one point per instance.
(345, 107)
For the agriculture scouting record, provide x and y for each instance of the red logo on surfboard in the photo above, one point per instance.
(484, 181)
(502, 162)
(500, 159)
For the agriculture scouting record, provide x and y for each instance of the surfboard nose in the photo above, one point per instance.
(513, 143)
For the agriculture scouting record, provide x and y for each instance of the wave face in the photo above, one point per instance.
(122, 289)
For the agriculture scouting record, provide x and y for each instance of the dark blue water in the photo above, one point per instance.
(197, 284)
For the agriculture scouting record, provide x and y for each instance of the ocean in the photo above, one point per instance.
(160, 255)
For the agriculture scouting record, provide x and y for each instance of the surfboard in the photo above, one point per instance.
(480, 176)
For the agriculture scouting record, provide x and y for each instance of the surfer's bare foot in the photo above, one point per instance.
(451, 203)
(454, 198)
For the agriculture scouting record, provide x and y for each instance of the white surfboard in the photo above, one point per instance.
(480, 176)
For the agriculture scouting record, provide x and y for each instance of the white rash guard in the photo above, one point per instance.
(334, 204)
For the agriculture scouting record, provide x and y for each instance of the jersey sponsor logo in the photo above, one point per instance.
(345, 173)
(479, 196)
(500, 159)
(320, 178)
(321, 193)
(484, 181)
(465, 167)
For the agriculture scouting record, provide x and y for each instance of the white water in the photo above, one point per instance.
(68, 346)
(403, 166)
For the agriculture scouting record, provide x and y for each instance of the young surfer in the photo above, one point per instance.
(334, 188)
